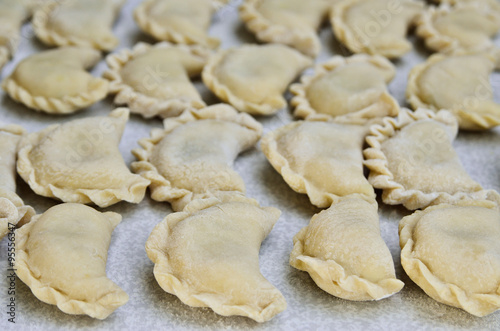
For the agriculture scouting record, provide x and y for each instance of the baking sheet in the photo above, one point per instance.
(150, 308)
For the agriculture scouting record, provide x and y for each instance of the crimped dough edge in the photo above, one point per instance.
(161, 188)
(100, 309)
(159, 32)
(102, 198)
(65, 105)
(467, 120)
(306, 41)
(478, 304)
(304, 110)
(171, 284)
(381, 177)
(140, 103)
(224, 93)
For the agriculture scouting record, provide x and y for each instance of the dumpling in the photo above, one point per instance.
(208, 256)
(79, 161)
(192, 157)
(61, 255)
(78, 22)
(290, 22)
(412, 160)
(459, 83)
(12, 208)
(375, 26)
(12, 15)
(322, 159)
(345, 255)
(178, 21)
(453, 253)
(56, 81)
(154, 80)
(467, 26)
(253, 78)
(351, 90)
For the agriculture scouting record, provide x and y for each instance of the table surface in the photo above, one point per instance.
(309, 307)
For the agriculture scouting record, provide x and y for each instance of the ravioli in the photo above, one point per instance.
(411, 158)
(452, 252)
(61, 255)
(345, 255)
(192, 157)
(350, 90)
(253, 78)
(322, 159)
(375, 26)
(77, 22)
(12, 208)
(437, 84)
(208, 256)
(12, 15)
(178, 21)
(155, 80)
(56, 81)
(79, 161)
(290, 22)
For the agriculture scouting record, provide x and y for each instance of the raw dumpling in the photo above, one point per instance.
(77, 22)
(12, 15)
(154, 80)
(290, 22)
(253, 78)
(208, 256)
(412, 160)
(79, 161)
(55, 81)
(453, 253)
(192, 157)
(322, 159)
(375, 26)
(178, 21)
(12, 209)
(345, 255)
(351, 90)
(61, 255)
(459, 83)
(467, 26)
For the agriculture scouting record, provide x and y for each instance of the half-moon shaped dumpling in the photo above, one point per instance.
(375, 26)
(192, 157)
(467, 26)
(154, 80)
(178, 21)
(61, 255)
(453, 253)
(459, 83)
(56, 81)
(12, 15)
(290, 22)
(345, 255)
(322, 159)
(253, 78)
(79, 161)
(12, 208)
(208, 256)
(77, 22)
(351, 90)
(411, 158)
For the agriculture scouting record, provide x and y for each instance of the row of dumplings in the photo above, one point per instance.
(364, 26)
(154, 80)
